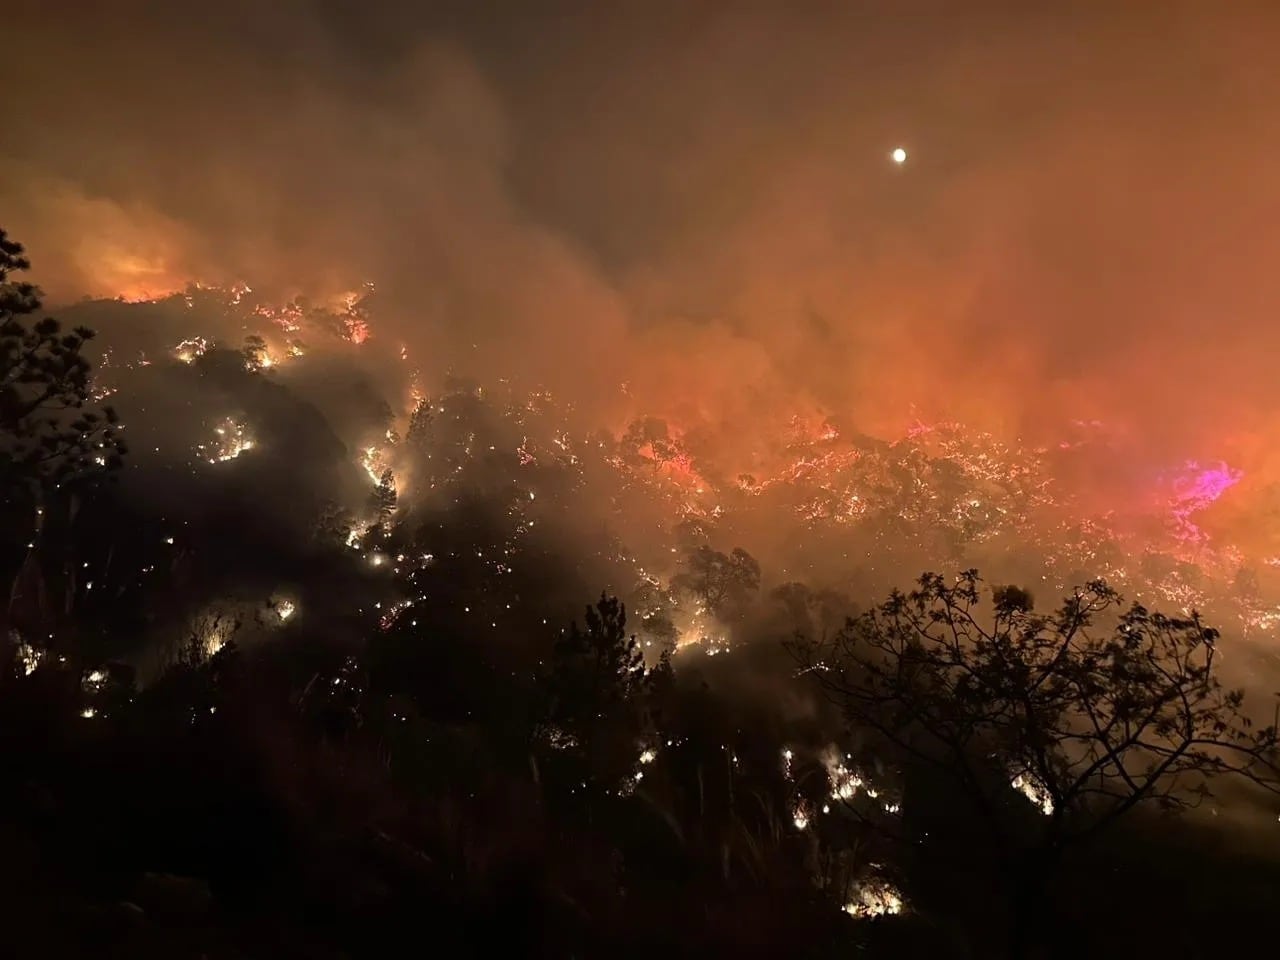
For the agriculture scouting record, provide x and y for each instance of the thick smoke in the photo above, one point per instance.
(689, 210)
(674, 210)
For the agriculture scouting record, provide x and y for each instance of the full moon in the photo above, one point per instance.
(899, 155)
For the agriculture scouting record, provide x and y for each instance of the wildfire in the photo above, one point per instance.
(288, 317)
(30, 658)
(357, 533)
(697, 632)
(357, 330)
(212, 629)
(632, 780)
(800, 817)
(1031, 788)
(844, 782)
(876, 899)
(1196, 489)
(937, 492)
(188, 351)
(393, 612)
(373, 462)
(233, 439)
(354, 321)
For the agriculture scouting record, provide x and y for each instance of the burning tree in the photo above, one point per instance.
(1087, 722)
(649, 441)
(383, 499)
(255, 353)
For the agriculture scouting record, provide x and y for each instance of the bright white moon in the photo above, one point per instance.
(899, 155)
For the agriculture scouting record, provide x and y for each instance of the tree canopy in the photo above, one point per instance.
(601, 700)
(51, 430)
(724, 583)
(1088, 711)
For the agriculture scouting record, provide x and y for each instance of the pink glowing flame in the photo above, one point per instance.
(1196, 489)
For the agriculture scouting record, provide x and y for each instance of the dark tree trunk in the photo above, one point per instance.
(1031, 905)
(1028, 912)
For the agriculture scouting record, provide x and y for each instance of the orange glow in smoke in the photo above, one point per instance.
(136, 278)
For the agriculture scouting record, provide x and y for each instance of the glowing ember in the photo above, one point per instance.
(1033, 790)
(357, 533)
(697, 632)
(392, 614)
(357, 330)
(558, 739)
(800, 817)
(188, 351)
(844, 782)
(233, 440)
(877, 899)
(258, 356)
(355, 322)
(29, 656)
(374, 463)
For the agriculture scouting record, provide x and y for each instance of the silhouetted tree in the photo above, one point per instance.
(659, 630)
(52, 436)
(655, 606)
(334, 524)
(50, 433)
(725, 584)
(1087, 722)
(600, 698)
(649, 441)
(384, 497)
(254, 352)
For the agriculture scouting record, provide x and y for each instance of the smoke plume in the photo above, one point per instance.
(690, 210)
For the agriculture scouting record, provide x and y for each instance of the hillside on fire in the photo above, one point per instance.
(301, 650)
(645, 479)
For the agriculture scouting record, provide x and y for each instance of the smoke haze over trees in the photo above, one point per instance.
(721, 232)
(457, 457)
(314, 649)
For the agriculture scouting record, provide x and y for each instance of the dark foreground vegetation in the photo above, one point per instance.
(230, 726)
